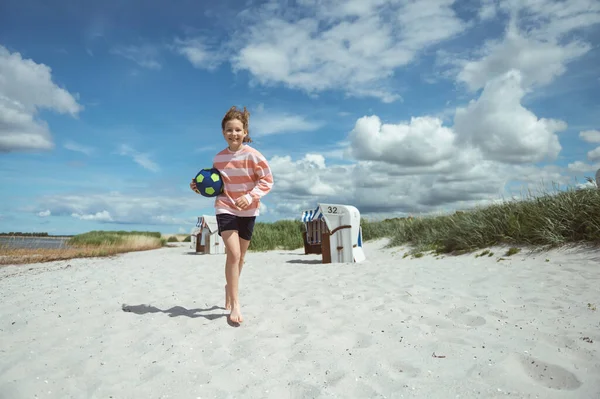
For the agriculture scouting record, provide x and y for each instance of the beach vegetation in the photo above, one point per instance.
(543, 220)
(90, 244)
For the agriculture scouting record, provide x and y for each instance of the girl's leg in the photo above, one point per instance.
(232, 272)
(244, 244)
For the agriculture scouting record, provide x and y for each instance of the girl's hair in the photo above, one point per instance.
(242, 116)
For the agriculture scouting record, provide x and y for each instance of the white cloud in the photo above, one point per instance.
(71, 145)
(590, 136)
(581, 167)
(423, 141)
(379, 187)
(115, 207)
(594, 155)
(539, 60)
(44, 214)
(299, 177)
(25, 88)
(540, 41)
(102, 216)
(198, 52)
(488, 10)
(586, 185)
(141, 159)
(145, 55)
(555, 19)
(503, 129)
(269, 122)
(354, 47)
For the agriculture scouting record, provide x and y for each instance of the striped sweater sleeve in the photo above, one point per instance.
(263, 175)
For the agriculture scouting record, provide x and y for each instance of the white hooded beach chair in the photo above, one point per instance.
(205, 236)
(334, 231)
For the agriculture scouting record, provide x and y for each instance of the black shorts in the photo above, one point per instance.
(243, 225)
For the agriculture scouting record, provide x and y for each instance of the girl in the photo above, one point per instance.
(247, 178)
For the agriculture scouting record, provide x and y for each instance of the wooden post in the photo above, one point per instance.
(325, 248)
(304, 238)
(198, 245)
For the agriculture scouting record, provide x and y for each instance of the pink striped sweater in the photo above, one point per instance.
(244, 172)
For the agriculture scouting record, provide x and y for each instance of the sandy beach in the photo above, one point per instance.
(152, 325)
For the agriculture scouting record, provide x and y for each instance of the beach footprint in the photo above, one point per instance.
(462, 315)
(549, 375)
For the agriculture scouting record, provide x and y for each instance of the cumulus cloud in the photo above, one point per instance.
(421, 142)
(503, 129)
(581, 167)
(44, 214)
(379, 187)
(594, 155)
(352, 46)
(540, 41)
(25, 88)
(118, 208)
(540, 61)
(590, 136)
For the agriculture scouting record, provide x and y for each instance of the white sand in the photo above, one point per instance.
(518, 328)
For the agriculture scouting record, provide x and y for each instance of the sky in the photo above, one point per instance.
(397, 107)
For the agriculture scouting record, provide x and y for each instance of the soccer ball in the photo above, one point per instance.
(209, 182)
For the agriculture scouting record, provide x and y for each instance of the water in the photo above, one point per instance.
(33, 242)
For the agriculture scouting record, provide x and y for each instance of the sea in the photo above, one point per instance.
(34, 242)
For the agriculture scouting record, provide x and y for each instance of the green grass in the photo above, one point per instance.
(547, 220)
(283, 234)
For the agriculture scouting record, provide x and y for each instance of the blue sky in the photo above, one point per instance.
(107, 110)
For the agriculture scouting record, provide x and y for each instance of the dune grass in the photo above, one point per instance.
(91, 244)
(543, 221)
(283, 234)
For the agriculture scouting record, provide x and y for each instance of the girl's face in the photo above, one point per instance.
(234, 134)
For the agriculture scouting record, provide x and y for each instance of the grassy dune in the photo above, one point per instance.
(544, 221)
(91, 244)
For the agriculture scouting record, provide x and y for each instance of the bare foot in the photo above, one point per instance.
(235, 315)
(227, 299)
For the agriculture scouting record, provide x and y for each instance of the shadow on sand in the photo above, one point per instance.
(175, 311)
(306, 261)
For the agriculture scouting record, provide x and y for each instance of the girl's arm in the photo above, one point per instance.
(264, 180)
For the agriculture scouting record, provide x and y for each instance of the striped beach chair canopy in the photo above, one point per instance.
(309, 216)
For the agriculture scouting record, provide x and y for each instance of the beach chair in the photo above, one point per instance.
(207, 239)
(314, 226)
(196, 237)
(334, 231)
